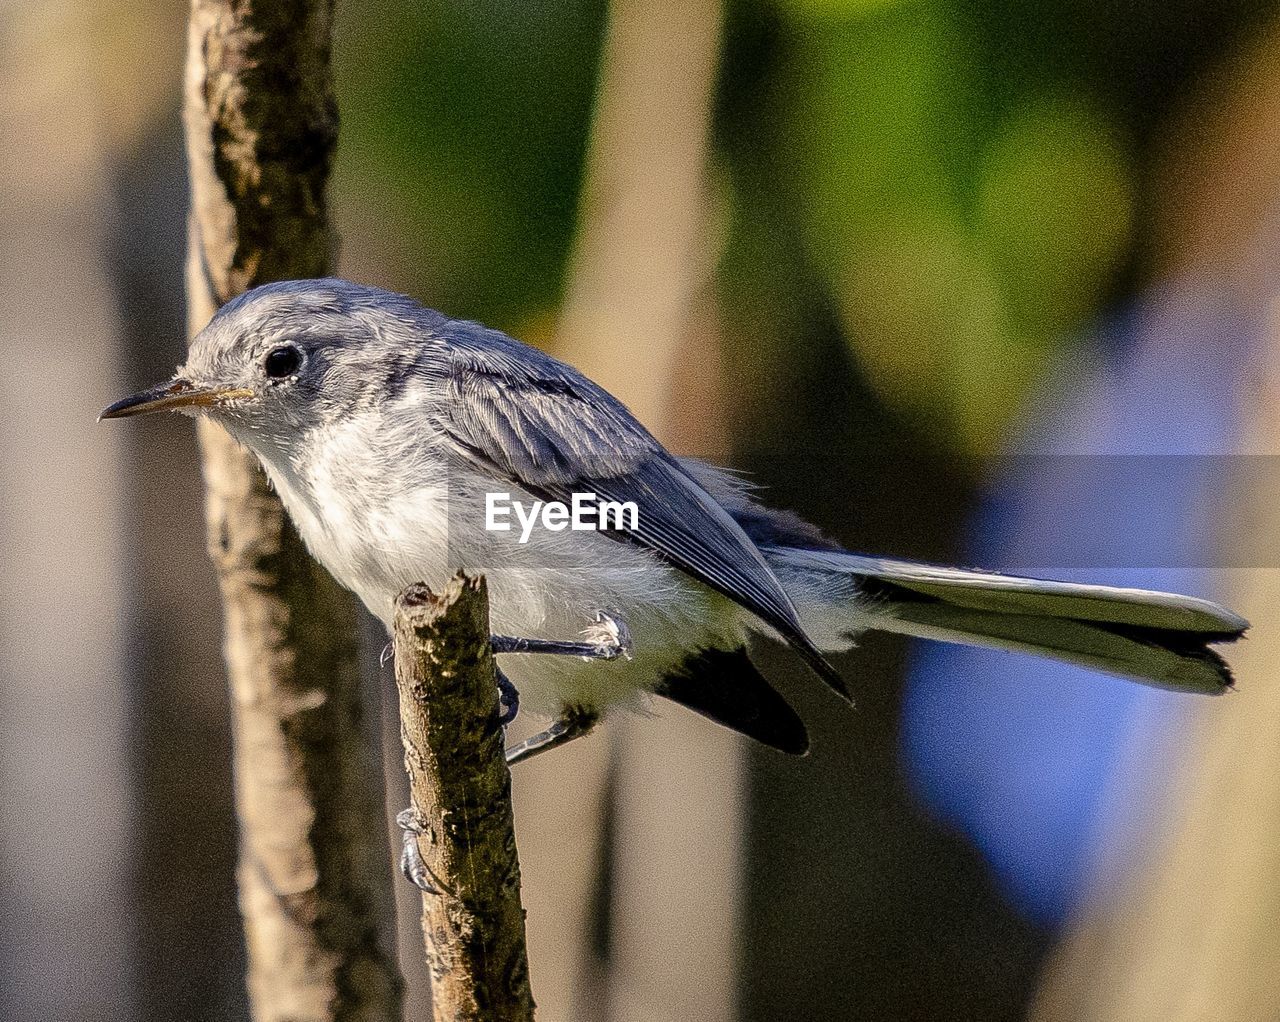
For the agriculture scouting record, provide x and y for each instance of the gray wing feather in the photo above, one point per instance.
(541, 432)
(545, 427)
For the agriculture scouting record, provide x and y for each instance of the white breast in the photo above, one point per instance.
(380, 510)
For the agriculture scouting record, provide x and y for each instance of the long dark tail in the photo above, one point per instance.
(1158, 638)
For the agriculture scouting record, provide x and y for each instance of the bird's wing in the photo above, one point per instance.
(528, 419)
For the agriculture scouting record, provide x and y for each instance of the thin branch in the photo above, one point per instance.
(461, 789)
(261, 124)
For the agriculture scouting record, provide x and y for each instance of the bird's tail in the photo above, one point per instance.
(1159, 638)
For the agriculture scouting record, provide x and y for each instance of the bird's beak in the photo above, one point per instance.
(177, 393)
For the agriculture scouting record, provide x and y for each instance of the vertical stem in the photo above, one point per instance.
(261, 125)
(461, 789)
(639, 292)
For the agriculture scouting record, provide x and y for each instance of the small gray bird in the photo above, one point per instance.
(395, 436)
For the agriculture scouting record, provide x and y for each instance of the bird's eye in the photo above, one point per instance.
(283, 361)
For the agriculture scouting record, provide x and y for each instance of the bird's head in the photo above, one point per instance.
(285, 358)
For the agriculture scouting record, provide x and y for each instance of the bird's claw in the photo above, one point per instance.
(610, 636)
(508, 700)
(412, 864)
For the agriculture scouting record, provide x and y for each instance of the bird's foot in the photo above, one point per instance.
(412, 864)
(574, 722)
(608, 638)
(508, 694)
(508, 699)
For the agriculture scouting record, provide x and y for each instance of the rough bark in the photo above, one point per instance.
(261, 124)
(461, 792)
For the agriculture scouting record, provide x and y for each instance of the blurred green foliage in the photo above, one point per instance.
(464, 128)
(966, 236)
(965, 175)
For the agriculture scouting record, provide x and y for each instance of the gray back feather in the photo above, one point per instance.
(528, 418)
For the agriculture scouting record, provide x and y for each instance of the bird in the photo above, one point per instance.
(401, 441)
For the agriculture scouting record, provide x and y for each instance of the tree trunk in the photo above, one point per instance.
(261, 124)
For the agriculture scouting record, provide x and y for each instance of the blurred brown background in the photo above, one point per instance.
(862, 249)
